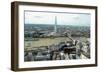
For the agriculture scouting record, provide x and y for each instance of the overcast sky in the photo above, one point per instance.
(62, 18)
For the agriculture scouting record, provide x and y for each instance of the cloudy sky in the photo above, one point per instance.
(62, 18)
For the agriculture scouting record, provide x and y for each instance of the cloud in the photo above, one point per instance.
(62, 18)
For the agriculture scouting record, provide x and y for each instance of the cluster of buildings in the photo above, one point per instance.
(63, 51)
(73, 49)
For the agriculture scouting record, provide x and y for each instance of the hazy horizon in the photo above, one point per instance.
(61, 18)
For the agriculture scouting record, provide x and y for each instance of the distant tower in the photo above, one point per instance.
(55, 27)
